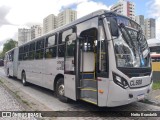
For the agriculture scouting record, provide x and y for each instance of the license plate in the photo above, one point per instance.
(140, 97)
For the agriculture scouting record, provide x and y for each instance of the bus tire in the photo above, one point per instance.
(24, 82)
(60, 90)
(8, 73)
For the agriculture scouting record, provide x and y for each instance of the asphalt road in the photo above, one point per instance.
(47, 98)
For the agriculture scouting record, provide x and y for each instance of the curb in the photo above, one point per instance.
(29, 103)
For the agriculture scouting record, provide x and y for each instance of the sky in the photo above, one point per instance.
(16, 14)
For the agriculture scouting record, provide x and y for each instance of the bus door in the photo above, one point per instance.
(88, 52)
(70, 66)
(10, 65)
(15, 62)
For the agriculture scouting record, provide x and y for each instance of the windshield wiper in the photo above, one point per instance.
(128, 39)
(139, 35)
(141, 41)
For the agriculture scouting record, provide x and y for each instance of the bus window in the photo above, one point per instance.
(40, 44)
(50, 52)
(88, 50)
(39, 49)
(102, 50)
(32, 46)
(62, 37)
(61, 50)
(21, 50)
(50, 41)
(26, 50)
(51, 49)
(102, 57)
(70, 47)
(10, 56)
(39, 54)
(66, 33)
(31, 51)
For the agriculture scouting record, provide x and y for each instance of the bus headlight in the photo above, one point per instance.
(120, 81)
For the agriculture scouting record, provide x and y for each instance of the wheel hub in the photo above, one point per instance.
(61, 90)
(23, 80)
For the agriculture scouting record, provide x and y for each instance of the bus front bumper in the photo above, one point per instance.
(118, 96)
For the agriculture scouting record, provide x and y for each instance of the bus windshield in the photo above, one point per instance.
(131, 48)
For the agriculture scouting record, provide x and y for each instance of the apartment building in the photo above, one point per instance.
(49, 23)
(124, 7)
(66, 17)
(36, 31)
(24, 35)
(140, 20)
(150, 28)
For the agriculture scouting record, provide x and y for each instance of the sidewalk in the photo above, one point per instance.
(155, 97)
(8, 102)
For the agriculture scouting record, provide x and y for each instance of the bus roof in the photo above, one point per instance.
(153, 42)
(11, 50)
(89, 16)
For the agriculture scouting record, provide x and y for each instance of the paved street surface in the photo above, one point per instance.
(45, 99)
(155, 97)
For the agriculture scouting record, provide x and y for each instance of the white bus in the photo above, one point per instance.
(11, 62)
(102, 58)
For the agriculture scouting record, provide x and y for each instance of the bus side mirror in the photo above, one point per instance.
(114, 27)
(72, 37)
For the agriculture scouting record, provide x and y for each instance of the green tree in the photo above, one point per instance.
(8, 45)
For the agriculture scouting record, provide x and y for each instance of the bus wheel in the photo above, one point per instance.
(8, 73)
(60, 90)
(24, 82)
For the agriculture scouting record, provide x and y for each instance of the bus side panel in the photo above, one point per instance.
(15, 62)
(51, 69)
(43, 72)
(32, 70)
(19, 71)
(103, 86)
(10, 66)
(5, 63)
